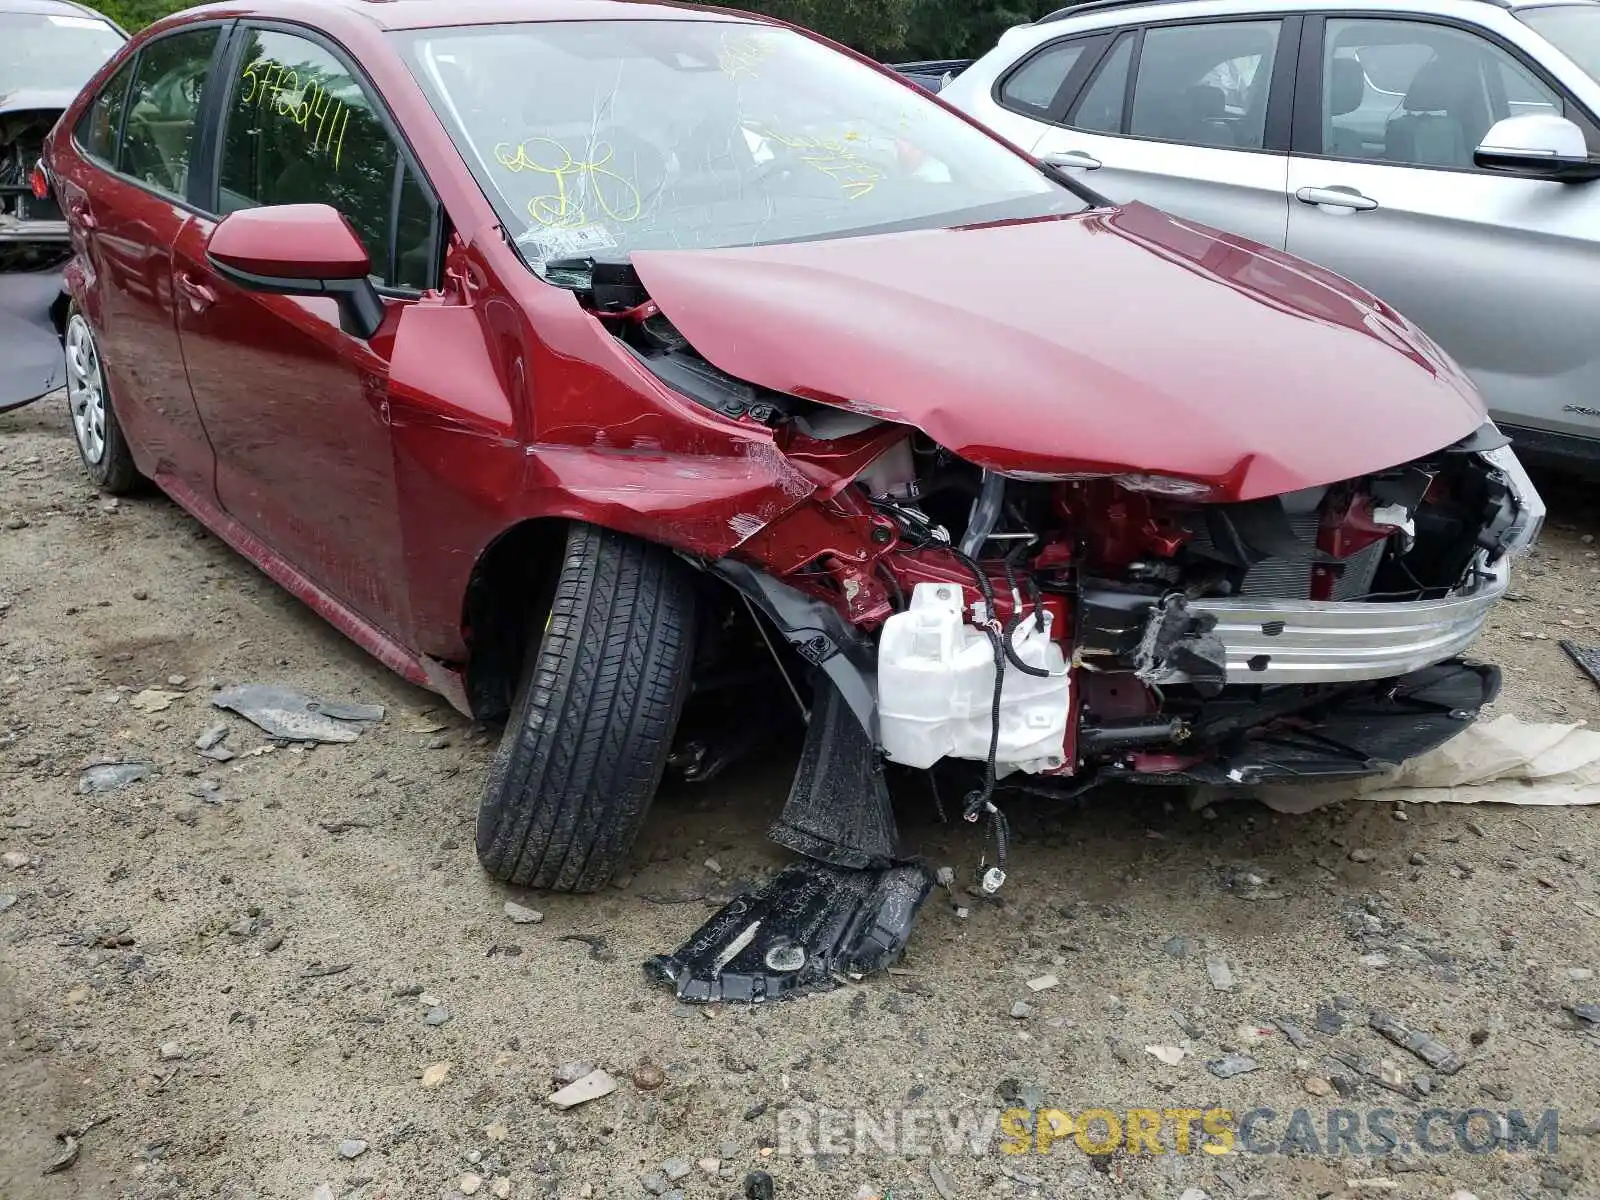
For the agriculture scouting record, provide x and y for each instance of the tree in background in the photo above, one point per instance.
(884, 29)
(134, 15)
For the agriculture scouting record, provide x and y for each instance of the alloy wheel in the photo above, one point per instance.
(86, 389)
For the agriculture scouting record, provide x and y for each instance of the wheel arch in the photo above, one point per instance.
(509, 586)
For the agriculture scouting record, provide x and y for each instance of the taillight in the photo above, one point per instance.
(40, 182)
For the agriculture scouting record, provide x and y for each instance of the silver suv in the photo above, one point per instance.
(1442, 153)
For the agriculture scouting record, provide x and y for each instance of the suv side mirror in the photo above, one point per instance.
(1540, 146)
(299, 250)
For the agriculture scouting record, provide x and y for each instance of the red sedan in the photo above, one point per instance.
(577, 356)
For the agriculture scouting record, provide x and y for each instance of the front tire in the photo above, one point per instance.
(588, 736)
(95, 428)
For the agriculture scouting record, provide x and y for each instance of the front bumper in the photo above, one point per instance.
(1311, 641)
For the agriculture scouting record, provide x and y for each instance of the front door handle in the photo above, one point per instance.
(1336, 197)
(1072, 160)
(200, 297)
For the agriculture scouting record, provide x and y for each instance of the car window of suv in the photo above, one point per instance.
(1418, 94)
(1031, 89)
(301, 130)
(101, 122)
(1205, 84)
(1099, 109)
(163, 105)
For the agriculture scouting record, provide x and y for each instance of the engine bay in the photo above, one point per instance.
(1056, 625)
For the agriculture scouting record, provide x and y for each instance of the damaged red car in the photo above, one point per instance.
(588, 362)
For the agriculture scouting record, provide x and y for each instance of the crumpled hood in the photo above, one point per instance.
(1117, 340)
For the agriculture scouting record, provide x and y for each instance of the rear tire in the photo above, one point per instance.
(95, 428)
(589, 733)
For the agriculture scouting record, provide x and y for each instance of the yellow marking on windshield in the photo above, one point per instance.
(740, 57)
(575, 180)
(835, 158)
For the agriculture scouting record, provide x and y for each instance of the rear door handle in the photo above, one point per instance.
(199, 295)
(1336, 197)
(82, 215)
(1072, 160)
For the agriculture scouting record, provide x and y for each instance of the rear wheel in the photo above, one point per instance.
(101, 445)
(588, 735)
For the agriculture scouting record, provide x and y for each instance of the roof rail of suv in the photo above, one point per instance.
(1094, 6)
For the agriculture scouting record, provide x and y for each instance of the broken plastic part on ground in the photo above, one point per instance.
(809, 924)
(1587, 658)
(291, 716)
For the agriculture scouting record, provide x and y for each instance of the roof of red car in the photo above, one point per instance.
(424, 14)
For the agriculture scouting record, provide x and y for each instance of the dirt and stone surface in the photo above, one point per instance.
(284, 975)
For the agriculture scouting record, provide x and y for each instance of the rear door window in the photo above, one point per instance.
(300, 129)
(162, 108)
(1099, 109)
(1032, 88)
(101, 122)
(1205, 84)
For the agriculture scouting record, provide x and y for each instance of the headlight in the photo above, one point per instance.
(1529, 521)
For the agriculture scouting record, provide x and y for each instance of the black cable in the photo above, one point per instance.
(1006, 638)
(982, 799)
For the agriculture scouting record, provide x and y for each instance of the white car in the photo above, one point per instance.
(1442, 153)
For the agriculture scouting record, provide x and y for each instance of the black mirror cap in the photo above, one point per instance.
(1531, 166)
(360, 306)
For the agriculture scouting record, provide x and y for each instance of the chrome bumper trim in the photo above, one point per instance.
(1345, 641)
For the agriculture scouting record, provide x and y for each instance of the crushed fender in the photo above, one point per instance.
(793, 936)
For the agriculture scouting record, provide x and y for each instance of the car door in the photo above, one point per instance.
(140, 137)
(295, 407)
(1192, 117)
(1503, 272)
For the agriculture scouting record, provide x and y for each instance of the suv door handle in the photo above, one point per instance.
(82, 215)
(1072, 160)
(1336, 197)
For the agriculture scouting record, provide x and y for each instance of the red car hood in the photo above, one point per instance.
(1122, 340)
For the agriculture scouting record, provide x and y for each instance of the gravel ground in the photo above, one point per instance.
(218, 967)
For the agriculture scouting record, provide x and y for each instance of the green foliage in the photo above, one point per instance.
(882, 28)
(134, 15)
(907, 29)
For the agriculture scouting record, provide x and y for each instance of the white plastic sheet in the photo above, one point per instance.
(1504, 761)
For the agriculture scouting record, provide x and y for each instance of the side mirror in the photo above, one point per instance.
(299, 250)
(1540, 146)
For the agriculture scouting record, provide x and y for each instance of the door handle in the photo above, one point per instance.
(82, 215)
(1336, 197)
(1072, 160)
(199, 295)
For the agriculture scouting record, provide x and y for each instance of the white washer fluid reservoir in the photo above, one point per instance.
(936, 688)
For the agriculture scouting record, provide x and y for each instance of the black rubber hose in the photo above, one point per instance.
(986, 511)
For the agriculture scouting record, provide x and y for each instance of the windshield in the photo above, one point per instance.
(52, 51)
(594, 139)
(1574, 29)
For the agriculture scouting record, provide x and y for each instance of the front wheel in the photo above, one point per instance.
(101, 445)
(588, 735)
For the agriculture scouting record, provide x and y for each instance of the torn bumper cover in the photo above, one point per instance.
(31, 362)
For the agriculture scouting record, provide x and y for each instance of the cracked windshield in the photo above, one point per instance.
(601, 138)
